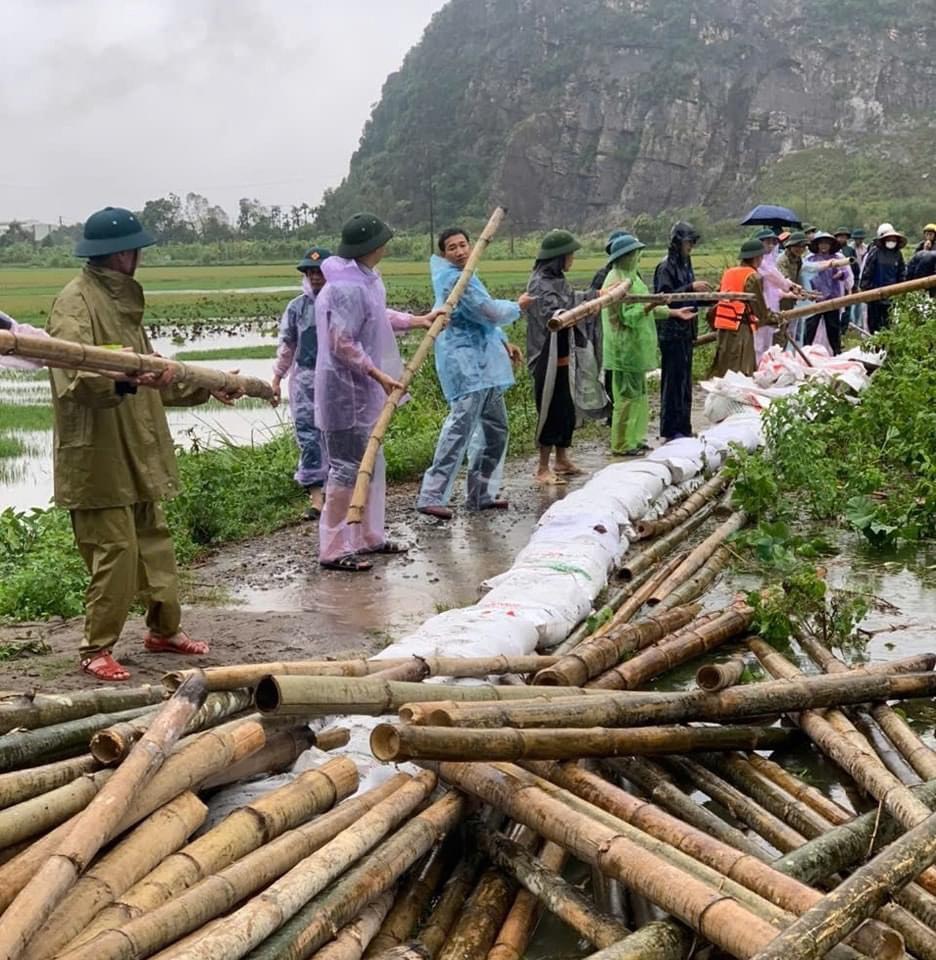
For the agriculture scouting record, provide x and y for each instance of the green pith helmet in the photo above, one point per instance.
(809, 228)
(626, 243)
(612, 237)
(363, 234)
(859, 233)
(312, 259)
(765, 234)
(751, 249)
(112, 230)
(843, 232)
(797, 239)
(557, 243)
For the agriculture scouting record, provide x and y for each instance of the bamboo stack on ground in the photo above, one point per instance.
(374, 441)
(42, 710)
(711, 490)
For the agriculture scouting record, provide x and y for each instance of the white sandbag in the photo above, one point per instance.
(571, 528)
(604, 508)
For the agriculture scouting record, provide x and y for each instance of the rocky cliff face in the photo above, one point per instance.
(582, 111)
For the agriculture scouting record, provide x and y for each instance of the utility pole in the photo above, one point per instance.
(431, 202)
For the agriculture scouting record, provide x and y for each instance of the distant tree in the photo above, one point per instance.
(15, 233)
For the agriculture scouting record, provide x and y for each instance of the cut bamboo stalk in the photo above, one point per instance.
(867, 727)
(865, 296)
(863, 766)
(660, 940)
(18, 749)
(374, 441)
(282, 750)
(283, 900)
(698, 557)
(698, 583)
(158, 836)
(392, 743)
(639, 708)
(517, 930)
(81, 356)
(483, 916)
(717, 917)
(562, 899)
(112, 744)
(434, 932)
(699, 637)
(24, 712)
(593, 657)
(20, 785)
(371, 696)
(42, 813)
(412, 900)
(97, 824)
(815, 799)
(406, 951)
(563, 319)
(665, 545)
(239, 834)
(785, 892)
(190, 910)
(353, 940)
(857, 897)
(709, 491)
(712, 677)
(196, 759)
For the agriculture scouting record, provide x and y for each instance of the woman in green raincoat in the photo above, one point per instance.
(630, 348)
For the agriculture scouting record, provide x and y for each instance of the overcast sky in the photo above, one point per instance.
(121, 101)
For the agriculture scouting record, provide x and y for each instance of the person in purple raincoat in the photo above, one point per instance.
(823, 274)
(358, 366)
(295, 359)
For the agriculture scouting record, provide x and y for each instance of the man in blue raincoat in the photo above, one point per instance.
(474, 363)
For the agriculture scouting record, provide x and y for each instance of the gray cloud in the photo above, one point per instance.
(119, 101)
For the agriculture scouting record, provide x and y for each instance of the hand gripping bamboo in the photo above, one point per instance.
(569, 318)
(366, 469)
(866, 296)
(81, 356)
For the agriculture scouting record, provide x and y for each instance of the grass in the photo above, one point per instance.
(25, 416)
(11, 447)
(260, 352)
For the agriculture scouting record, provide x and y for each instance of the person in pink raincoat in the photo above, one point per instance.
(25, 330)
(358, 366)
(775, 286)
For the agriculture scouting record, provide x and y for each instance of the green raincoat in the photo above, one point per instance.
(110, 449)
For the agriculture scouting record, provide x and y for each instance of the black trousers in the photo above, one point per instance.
(833, 327)
(878, 315)
(676, 388)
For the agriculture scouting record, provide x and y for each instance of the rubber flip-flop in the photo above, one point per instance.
(102, 666)
(347, 564)
(569, 472)
(180, 643)
(551, 481)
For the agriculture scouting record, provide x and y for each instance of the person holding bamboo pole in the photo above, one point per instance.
(830, 277)
(358, 366)
(776, 285)
(629, 336)
(474, 363)
(25, 330)
(563, 363)
(113, 459)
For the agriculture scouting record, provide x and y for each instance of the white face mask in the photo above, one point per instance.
(890, 244)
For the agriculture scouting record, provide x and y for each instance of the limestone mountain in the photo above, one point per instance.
(582, 111)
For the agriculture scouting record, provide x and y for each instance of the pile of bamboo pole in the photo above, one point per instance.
(592, 767)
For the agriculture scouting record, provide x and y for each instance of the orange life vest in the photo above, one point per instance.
(730, 313)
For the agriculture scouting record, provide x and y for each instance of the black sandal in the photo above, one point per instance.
(350, 563)
(391, 547)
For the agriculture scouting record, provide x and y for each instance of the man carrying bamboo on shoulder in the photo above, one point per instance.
(474, 362)
(113, 454)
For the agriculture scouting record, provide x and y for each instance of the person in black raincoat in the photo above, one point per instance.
(674, 274)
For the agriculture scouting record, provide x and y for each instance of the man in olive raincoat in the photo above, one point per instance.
(113, 454)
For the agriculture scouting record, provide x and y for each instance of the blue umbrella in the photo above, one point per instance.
(766, 214)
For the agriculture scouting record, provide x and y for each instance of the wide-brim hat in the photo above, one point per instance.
(557, 243)
(313, 257)
(822, 235)
(930, 226)
(623, 245)
(886, 230)
(612, 237)
(363, 234)
(112, 230)
(750, 249)
(859, 233)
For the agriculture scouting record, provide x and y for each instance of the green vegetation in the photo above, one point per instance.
(25, 416)
(260, 352)
(11, 447)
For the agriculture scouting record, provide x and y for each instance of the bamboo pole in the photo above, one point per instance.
(698, 557)
(410, 903)
(24, 712)
(20, 785)
(709, 491)
(712, 296)
(562, 899)
(865, 296)
(712, 677)
(189, 910)
(283, 901)
(354, 939)
(112, 744)
(815, 799)
(195, 760)
(56, 352)
(857, 897)
(18, 749)
(241, 833)
(563, 319)
(282, 750)
(366, 468)
(715, 915)
(663, 546)
(392, 743)
(97, 824)
(698, 638)
(434, 932)
(664, 940)
(481, 918)
(640, 708)
(158, 836)
(698, 583)
(593, 657)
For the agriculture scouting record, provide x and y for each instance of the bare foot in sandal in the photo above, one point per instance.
(549, 479)
(566, 468)
(179, 642)
(102, 666)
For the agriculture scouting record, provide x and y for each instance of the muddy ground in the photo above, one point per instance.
(267, 599)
